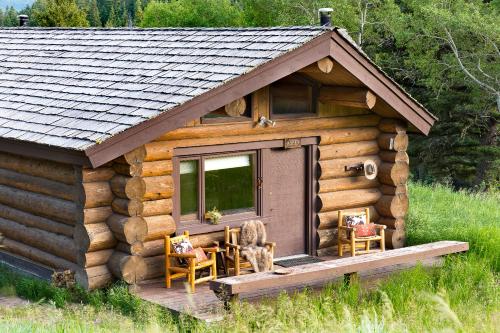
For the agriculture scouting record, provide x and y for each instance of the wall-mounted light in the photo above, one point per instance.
(263, 121)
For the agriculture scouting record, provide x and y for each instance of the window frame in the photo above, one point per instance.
(196, 222)
(313, 102)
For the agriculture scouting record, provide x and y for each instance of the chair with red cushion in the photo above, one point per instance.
(355, 228)
(182, 261)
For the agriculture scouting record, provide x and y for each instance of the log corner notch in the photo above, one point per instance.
(325, 65)
(393, 176)
(322, 66)
(236, 108)
(348, 96)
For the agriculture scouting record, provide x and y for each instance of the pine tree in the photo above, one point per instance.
(124, 17)
(138, 13)
(1, 17)
(112, 19)
(59, 13)
(93, 15)
(10, 17)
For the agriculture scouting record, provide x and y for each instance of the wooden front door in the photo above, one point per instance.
(287, 178)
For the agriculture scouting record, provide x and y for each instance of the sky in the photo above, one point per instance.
(18, 4)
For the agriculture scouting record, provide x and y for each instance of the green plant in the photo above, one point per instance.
(214, 215)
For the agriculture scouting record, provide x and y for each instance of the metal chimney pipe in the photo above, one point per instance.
(23, 20)
(325, 17)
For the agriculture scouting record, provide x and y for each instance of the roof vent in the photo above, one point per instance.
(325, 17)
(23, 20)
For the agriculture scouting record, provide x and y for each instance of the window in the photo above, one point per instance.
(220, 115)
(229, 183)
(226, 182)
(293, 96)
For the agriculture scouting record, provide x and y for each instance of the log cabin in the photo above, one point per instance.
(111, 139)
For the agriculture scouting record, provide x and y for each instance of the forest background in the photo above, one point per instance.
(443, 52)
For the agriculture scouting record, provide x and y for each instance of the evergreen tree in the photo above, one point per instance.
(1, 17)
(59, 13)
(138, 13)
(93, 15)
(10, 17)
(192, 13)
(112, 17)
(124, 14)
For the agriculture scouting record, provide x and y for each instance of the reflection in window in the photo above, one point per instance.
(291, 99)
(229, 183)
(189, 187)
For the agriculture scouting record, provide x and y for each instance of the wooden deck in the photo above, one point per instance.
(204, 305)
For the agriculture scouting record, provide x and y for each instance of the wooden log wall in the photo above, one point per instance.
(339, 189)
(55, 214)
(38, 209)
(393, 176)
(142, 212)
(93, 236)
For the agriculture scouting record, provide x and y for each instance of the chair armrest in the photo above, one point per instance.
(183, 255)
(380, 226)
(237, 247)
(209, 249)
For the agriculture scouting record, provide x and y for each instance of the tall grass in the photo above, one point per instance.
(437, 213)
(461, 296)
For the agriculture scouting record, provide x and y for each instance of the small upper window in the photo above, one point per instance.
(239, 110)
(292, 96)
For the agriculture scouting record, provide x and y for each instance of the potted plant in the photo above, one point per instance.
(213, 215)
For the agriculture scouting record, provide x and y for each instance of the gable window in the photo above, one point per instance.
(225, 182)
(222, 115)
(293, 96)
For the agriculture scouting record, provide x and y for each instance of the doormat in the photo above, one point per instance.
(297, 261)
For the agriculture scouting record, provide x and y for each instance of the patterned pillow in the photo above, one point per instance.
(354, 220)
(363, 229)
(181, 244)
(200, 254)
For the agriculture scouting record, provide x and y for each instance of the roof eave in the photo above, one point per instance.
(46, 152)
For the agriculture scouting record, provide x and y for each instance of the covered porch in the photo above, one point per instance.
(210, 301)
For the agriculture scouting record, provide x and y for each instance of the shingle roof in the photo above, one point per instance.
(73, 88)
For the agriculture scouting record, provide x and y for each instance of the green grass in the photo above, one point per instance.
(437, 213)
(461, 296)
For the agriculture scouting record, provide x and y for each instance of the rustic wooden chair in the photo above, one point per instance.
(347, 235)
(179, 265)
(233, 256)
